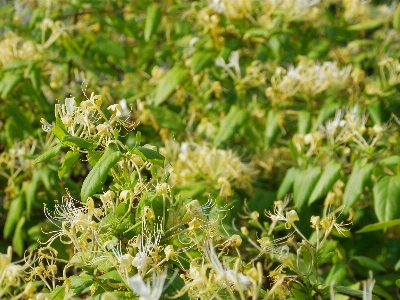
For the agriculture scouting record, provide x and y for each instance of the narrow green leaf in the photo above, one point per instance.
(98, 175)
(59, 132)
(149, 155)
(390, 160)
(58, 293)
(304, 183)
(328, 178)
(201, 60)
(351, 292)
(355, 185)
(78, 142)
(166, 118)
(70, 159)
(16, 64)
(272, 128)
(93, 157)
(386, 198)
(30, 189)
(152, 20)
(108, 47)
(113, 275)
(398, 282)
(20, 118)
(304, 122)
(379, 226)
(230, 124)
(396, 18)
(80, 283)
(168, 84)
(18, 237)
(287, 183)
(368, 263)
(337, 273)
(16, 207)
(366, 25)
(299, 295)
(53, 151)
(375, 112)
(10, 80)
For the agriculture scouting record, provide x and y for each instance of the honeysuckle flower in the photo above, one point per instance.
(151, 290)
(124, 106)
(233, 63)
(291, 217)
(368, 286)
(240, 280)
(147, 248)
(116, 109)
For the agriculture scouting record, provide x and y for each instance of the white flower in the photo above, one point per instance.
(70, 105)
(124, 106)
(240, 280)
(148, 291)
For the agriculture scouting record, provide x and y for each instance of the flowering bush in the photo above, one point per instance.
(199, 150)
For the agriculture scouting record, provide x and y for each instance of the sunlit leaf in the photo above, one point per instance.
(98, 175)
(386, 198)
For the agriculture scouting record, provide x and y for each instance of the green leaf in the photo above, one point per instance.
(93, 157)
(16, 64)
(396, 18)
(230, 124)
(304, 183)
(22, 121)
(58, 293)
(201, 60)
(287, 182)
(390, 160)
(108, 47)
(70, 159)
(375, 112)
(368, 263)
(80, 283)
(16, 207)
(379, 226)
(299, 295)
(328, 178)
(304, 122)
(337, 273)
(387, 198)
(166, 118)
(30, 188)
(398, 282)
(272, 128)
(152, 20)
(10, 80)
(50, 153)
(355, 185)
(59, 132)
(18, 237)
(113, 275)
(351, 292)
(366, 25)
(168, 84)
(98, 175)
(78, 142)
(149, 155)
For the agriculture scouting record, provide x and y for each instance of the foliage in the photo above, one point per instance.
(210, 149)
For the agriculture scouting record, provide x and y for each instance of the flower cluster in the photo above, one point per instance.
(190, 162)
